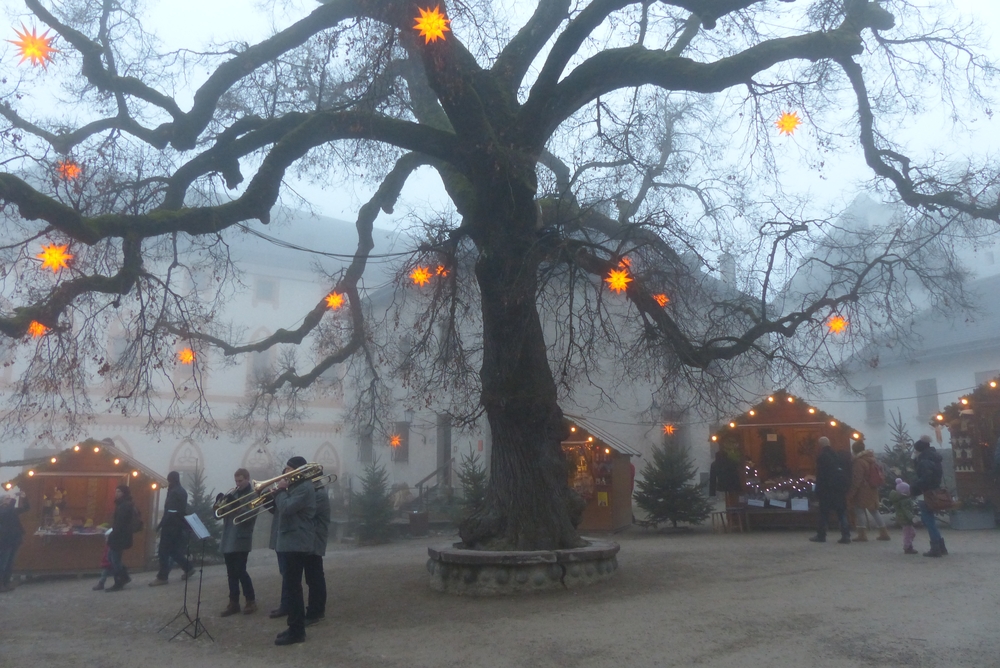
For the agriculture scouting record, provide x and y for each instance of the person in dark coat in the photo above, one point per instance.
(236, 543)
(295, 506)
(928, 474)
(832, 482)
(11, 535)
(121, 536)
(315, 577)
(724, 476)
(173, 531)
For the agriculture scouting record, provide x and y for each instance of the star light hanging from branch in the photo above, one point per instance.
(334, 300)
(395, 440)
(185, 356)
(34, 47)
(420, 276)
(68, 170)
(787, 123)
(661, 299)
(618, 280)
(432, 24)
(37, 329)
(55, 257)
(837, 323)
(669, 429)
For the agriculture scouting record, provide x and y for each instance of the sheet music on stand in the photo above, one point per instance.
(199, 528)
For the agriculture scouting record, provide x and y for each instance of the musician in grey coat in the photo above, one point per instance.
(236, 543)
(295, 504)
(315, 577)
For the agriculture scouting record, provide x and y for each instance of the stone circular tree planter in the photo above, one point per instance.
(486, 573)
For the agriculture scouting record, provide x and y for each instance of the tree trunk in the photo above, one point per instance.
(529, 504)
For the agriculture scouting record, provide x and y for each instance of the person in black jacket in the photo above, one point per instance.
(173, 531)
(724, 476)
(929, 473)
(11, 535)
(121, 536)
(832, 482)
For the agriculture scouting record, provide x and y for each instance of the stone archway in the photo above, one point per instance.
(259, 461)
(186, 459)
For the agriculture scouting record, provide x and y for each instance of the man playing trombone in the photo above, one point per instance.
(236, 543)
(295, 504)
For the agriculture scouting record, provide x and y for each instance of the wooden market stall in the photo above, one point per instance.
(600, 471)
(974, 427)
(71, 496)
(776, 444)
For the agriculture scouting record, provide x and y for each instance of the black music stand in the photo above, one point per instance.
(195, 627)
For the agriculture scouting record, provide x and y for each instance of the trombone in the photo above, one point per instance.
(265, 501)
(264, 491)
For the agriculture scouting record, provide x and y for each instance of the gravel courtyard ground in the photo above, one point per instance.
(700, 599)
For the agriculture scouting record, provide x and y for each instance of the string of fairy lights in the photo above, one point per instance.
(83, 450)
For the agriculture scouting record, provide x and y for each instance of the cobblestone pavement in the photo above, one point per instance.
(697, 599)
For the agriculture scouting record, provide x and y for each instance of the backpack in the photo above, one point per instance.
(876, 474)
(137, 524)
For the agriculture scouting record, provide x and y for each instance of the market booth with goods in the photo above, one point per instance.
(600, 471)
(774, 445)
(71, 496)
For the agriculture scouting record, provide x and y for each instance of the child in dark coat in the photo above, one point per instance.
(902, 503)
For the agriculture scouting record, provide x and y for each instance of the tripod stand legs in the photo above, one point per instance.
(194, 627)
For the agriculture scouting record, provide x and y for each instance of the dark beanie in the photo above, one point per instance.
(921, 444)
(126, 492)
(296, 461)
(174, 478)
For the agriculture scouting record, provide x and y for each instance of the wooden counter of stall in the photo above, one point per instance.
(72, 494)
(599, 470)
(775, 444)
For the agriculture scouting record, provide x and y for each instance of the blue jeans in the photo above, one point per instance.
(927, 517)
(7, 556)
(115, 557)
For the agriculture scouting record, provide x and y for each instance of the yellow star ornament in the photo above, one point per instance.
(837, 324)
(432, 24)
(185, 356)
(334, 300)
(787, 123)
(618, 280)
(34, 47)
(55, 257)
(36, 329)
(420, 276)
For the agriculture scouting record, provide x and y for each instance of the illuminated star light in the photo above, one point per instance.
(669, 429)
(334, 300)
(837, 323)
(432, 24)
(55, 257)
(37, 329)
(618, 280)
(787, 123)
(441, 271)
(68, 170)
(395, 440)
(420, 276)
(185, 356)
(34, 47)
(661, 299)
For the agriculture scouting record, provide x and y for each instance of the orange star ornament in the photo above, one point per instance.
(334, 300)
(837, 324)
(34, 47)
(395, 440)
(661, 299)
(432, 24)
(618, 280)
(420, 276)
(55, 257)
(68, 170)
(36, 329)
(185, 356)
(669, 429)
(787, 123)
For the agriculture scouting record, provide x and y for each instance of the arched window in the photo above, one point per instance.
(327, 457)
(259, 461)
(186, 459)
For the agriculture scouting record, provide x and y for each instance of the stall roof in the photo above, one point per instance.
(615, 443)
(108, 447)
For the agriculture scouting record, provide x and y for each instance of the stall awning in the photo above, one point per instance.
(615, 443)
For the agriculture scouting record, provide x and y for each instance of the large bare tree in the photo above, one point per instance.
(574, 139)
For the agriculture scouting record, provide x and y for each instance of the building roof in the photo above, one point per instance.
(107, 449)
(602, 435)
(783, 409)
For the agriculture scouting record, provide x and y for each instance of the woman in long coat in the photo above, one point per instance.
(863, 496)
(121, 536)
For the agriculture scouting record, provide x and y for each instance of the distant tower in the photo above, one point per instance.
(727, 269)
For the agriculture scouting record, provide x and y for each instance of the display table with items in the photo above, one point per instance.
(71, 495)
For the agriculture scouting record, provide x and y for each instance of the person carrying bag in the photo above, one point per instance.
(928, 483)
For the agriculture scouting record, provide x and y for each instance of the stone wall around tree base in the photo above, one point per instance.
(454, 570)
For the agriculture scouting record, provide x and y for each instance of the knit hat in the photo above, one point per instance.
(902, 487)
(296, 461)
(922, 444)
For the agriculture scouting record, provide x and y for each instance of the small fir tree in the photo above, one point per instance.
(372, 506)
(474, 478)
(897, 456)
(667, 493)
(200, 502)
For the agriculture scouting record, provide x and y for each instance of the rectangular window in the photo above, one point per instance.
(927, 398)
(874, 405)
(986, 376)
(401, 452)
(365, 446)
(266, 290)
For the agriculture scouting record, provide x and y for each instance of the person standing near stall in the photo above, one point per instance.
(929, 473)
(173, 531)
(295, 504)
(832, 480)
(11, 535)
(315, 577)
(236, 543)
(122, 528)
(863, 494)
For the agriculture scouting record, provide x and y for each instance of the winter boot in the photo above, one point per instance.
(935, 550)
(250, 607)
(944, 550)
(883, 534)
(117, 586)
(862, 536)
(233, 609)
(845, 538)
(818, 538)
(909, 550)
